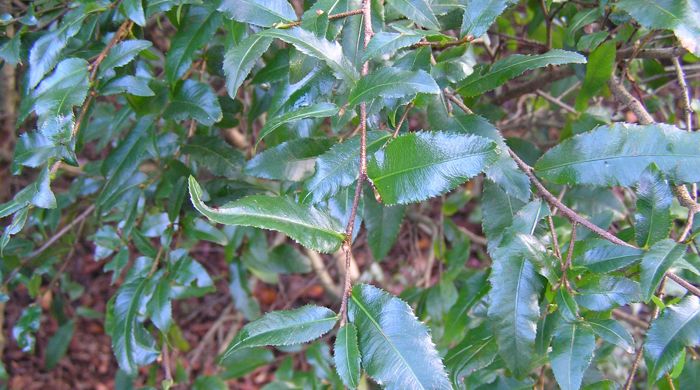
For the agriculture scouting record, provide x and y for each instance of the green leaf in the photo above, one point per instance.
(293, 160)
(24, 330)
(215, 155)
(160, 307)
(383, 224)
(396, 348)
(499, 209)
(194, 100)
(603, 256)
(660, 257)
(284, 327)
(10, 51)
(476, 351)
(305, 224)
(198, 30)
(580, 20)
(607, 292)
(65, 88)
(485, 79)
(240, 59)
(137, 86)
(245, 361)
(318, 110)
(480, 15)
(308, 43)
(240, 291)
(681, 16)
(264, 13)
(618, 154)
(418, 11)
(134, 11)
(438, 162)
(614, 333)
(677, 327)
(392, 83)
(121, 54)
(387, 43)
(599, 68)
(572, 352)
(652, 221)
(58, 344)
(339, 167)
(346, 355)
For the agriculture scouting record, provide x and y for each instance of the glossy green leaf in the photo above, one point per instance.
(487, 78)
(476, 351)
(681, 16)
(418, 11)
(579, 21)
(660, 257)
(619, 153)
(240, 291)
(318, 110)
(264, 13)
(396, 348)
(602, 256)
(439, 163)
(346, 355)
(293, 160)
(160, 307)
(308, 43)
(340, 166)
(121, 54)
(133, 85)
(652, 221)
(387, 43)
(572, 352)
(193, 35)
(607, 292)
(284, 327)
(216, 156)
(599, 69)
(305, 224)
(194, 100)
(392, 83)
(240, 59)
(134, 11)
(499, 209)
(613, 332)
(678, 326)
(383, 224)
(66, 87)
(480, 15)
(24, 330)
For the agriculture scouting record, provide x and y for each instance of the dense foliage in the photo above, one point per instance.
(544, 149)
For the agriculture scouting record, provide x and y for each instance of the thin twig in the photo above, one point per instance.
(555, 240)
(61, 233)
(339, 15)
(569, 257)
(444, 45)
(403, 119)
(456, 100)
(556, 101)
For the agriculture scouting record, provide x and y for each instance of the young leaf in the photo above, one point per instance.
(392, 83)
(241, 58)
(121, 54)
(304, 223)
(607, 293)
(618, 154)
(603, 256)
(418, 11)
(599, 68)
(652, 221)
(318, 110)
(438, 163)
(346, 355)
(614, 333)
(476, 351)
(572, 352)
(386, 44)
(383, 224)
(264, 13)
(479, 16)
(195, 100)
(486, 79)
(656, 262)
(677, 327)
(396, 348)
(284, 327)
(293, 160)
(200, 27)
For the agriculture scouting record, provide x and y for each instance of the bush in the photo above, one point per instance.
(525, 173)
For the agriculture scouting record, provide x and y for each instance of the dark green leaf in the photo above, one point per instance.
(383, 224)
(476, 351)
(160, 307)
(602, 256)
(480, 15)
(304, 223)
(240, 291)
(194, 100)
(121, 54)
(57, 346)
(619, 153)
(396, 348)
(607, 293)
(134, 11)
(137, 86)
(613, 332)
(263, 13)
(284, 327)
(660, 257)
(240, 59)
(387, 43)
(293, 160)
(245, 361)
(65, 88)
(346, 355)
(439, 162)
(214, 154)
(418, 11)
(392, 83)
(652, 221)
(198, 31)
(572, 352)
(318, 110)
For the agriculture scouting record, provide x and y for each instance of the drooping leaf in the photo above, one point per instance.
(485, 79)
(572, 352)
(216, 156)
(346, 355)
(439, 162)
(66, 87)
(480, 15)
(308, 43)
(264, 13)
(618, 154)
(194, 100)
(607, 292)
(613, 332)
(602, 256)
(476, 351)
(122, 53)
(293, 160)
(387, 43)
(199, 29)
(681, 16)
(599, 68)
(652, 221)
(383, 224)
(660, 257)
(396, 348)
(245, 361)
(340, 166)
(134, 11)
(284, 327)
(306, 224)
(418, 11)
(392, 83)
(678, 326)
(318, 110)
(58, 344)
(240, 59)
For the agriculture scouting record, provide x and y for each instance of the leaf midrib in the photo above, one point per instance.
(616, 157)
(418, 167)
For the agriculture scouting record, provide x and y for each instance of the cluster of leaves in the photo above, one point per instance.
(136, 124)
